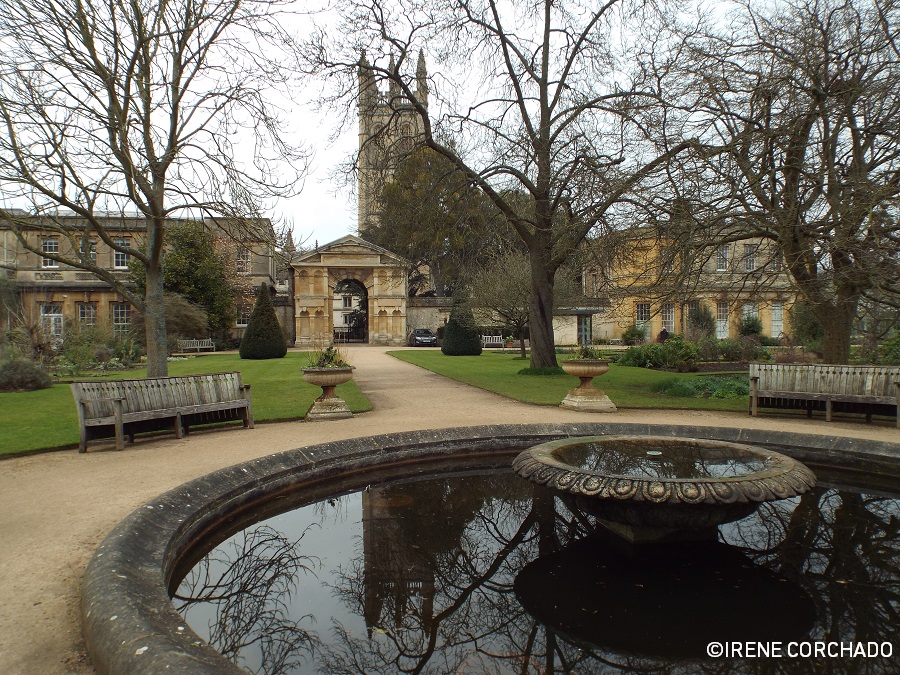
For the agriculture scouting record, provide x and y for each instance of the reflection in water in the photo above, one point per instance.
(643, 458)
(423, 576)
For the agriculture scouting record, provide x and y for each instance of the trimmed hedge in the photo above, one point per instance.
(263, 338)
(460, 336)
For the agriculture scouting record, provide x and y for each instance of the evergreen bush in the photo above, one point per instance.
(701, 323)
(460, 336)
(633, 335)
(889, 352)
(263, 338)
(20, 374)
(750, 325)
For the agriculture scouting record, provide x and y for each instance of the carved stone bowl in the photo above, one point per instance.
(653, 487)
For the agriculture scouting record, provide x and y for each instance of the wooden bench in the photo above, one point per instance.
(126, 407)
(197, 345)
(832, 388)
(491, 341)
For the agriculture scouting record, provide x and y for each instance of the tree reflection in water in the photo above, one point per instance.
(248, 582)
(428, 586)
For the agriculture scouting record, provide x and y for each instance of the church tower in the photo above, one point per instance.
(388, 128)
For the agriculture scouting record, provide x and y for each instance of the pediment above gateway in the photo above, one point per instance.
(349, 251)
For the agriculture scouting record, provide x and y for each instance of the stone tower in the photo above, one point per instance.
(388, 128)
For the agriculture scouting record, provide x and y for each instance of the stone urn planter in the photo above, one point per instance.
(329, 406)
(585, 396)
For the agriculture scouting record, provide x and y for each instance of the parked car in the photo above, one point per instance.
(422, 337)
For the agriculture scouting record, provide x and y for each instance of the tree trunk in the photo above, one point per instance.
(155, 323)
(540, 319)
(837, 322)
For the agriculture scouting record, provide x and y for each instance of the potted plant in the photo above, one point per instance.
(327, 369)
(586, 364)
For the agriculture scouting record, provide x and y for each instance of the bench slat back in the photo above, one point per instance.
(159, 393)
(823, 378)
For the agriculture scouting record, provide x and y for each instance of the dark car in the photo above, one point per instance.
(422, 337)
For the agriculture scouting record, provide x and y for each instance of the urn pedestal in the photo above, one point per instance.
(585, 397)
(329, 406)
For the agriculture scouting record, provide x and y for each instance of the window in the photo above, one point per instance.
(721, 320)
(668, 317)
(52, 320)
(87, 313)
(749, 257)
(750, 310)
(120, 259)
(642, 312)
(347, 301)
(121, 317)
(777, 262)
(777, 319)
(642, 316)
(346, 317)
(50, 246)
(722, 258)
(243, 314)
(242, 262)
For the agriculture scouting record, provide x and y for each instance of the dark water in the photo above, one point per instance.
(482, 572)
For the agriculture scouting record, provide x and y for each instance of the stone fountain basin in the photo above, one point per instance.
(664, 482)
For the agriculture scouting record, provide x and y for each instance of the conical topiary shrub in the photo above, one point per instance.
(460, 337)
(263, 338)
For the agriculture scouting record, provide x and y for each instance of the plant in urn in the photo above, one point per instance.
(328, 369)
(586, 364)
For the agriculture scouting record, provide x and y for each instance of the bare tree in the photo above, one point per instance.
(535, 99)
(502, 286)
(798, 107)
(157, 108)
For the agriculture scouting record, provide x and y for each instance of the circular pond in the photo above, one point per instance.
(423, 552)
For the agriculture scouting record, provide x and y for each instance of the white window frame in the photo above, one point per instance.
(722, 312)
(667, 312)
(750, 310)
(347, 301)
(242, 315)
(722, 258)
(642, 316)
(750, 257)
(243, 261)
(50, 245)
(87, 313)
(777, 323)
(52, 319)
(120, 313)
(120, 258)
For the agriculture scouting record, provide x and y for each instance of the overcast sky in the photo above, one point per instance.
(324, 210)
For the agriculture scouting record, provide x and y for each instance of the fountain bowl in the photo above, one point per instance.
(651, 488)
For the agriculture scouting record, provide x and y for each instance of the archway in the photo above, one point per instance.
(375, 280)
(351, 311)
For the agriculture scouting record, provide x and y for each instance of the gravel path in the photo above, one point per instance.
(55, 508)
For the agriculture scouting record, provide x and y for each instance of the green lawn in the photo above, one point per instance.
(628, 387)
(44, 419)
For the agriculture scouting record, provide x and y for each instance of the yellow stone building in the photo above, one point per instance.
(49, 293)
(648, 282)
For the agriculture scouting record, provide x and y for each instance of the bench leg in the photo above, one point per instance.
(120, 426)
(82, 439)
(828, 410)
(179, 429)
